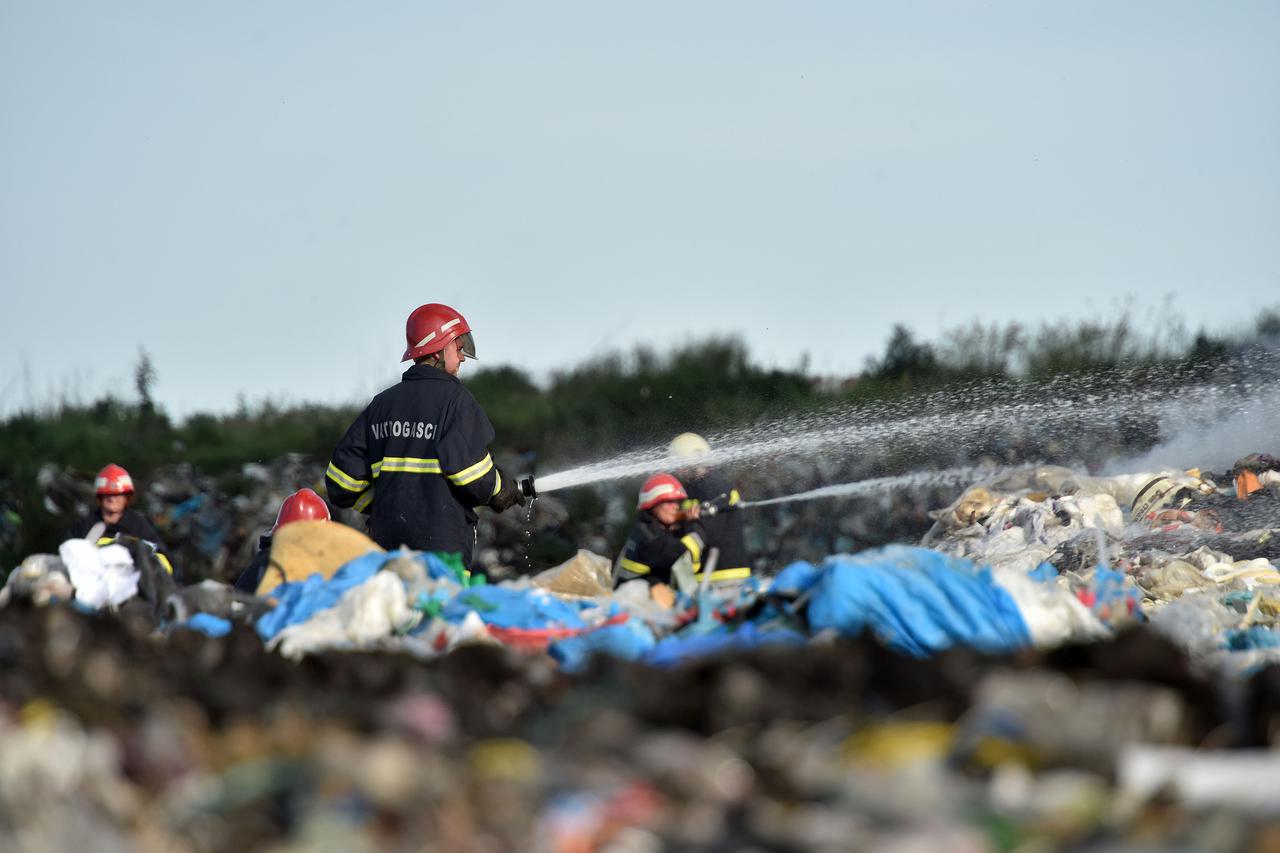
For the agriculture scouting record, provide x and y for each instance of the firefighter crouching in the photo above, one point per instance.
(302, 505)
(667, 543)
(417, 458)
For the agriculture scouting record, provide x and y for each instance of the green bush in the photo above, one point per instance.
(601, 407)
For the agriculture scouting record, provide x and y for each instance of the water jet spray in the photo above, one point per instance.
(964, 418)
(916, 479)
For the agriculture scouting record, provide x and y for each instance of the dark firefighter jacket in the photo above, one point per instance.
(252, 576)
(417, 461)
(724, 530)
(652, 549)
(131, 523)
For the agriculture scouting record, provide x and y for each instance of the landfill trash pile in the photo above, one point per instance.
(1198, 560)
(1066, 659)
(211, 525)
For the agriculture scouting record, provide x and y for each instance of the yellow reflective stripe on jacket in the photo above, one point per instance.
(164, 561)
(362, 502)
(405, 465)
(734, 497)
(634, 567)
(473, 473)
(693, 543)
(345, 480)
(738, 574)
(497, 483)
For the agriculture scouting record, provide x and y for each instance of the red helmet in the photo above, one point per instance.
(660, 488)
(431, 327)
(302, 505)
(113, 480)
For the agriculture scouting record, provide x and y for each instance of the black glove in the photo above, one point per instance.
(507, 496)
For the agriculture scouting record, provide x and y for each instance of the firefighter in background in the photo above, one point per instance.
(667, 542)
(114, 517)
(302, 505)
(417, 458)
(719, 499)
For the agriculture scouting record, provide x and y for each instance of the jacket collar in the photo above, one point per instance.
(426, 371)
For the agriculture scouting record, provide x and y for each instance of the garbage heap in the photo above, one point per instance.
(210, 525)
(1001, 686)
(1192, 552)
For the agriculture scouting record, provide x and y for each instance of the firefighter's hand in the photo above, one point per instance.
(507, 496)
(692, 512)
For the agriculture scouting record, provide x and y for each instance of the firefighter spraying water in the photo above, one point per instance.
(417, 459)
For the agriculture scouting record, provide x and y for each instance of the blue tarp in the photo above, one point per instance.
(679, 648)
(208, 624)
(1254, 637)
(628, 641)
(298, 602)
(513, 608)
(501, 606)
(916, 601)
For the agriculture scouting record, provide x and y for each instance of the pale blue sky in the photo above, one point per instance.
(259, 193)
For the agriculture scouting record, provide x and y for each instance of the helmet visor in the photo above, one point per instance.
(468, 344)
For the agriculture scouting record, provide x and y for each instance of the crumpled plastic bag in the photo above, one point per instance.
(102, 576)
(584, 574)
(1172, 580)
(1020, 533)
(216, 599)
(1196, 622)
(1248, 572)
(374, 610)
(1052, 613)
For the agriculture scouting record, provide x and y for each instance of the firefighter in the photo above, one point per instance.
(302, 505)
(667, 543)
(114, 517)
(417, 458)
(719, 499)
(114, 489)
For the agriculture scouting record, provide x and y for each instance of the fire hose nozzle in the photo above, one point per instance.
(526, 487)
(711, 507)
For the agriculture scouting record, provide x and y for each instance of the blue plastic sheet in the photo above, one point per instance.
(916, 601)
(513, 608)
(298, 602)
(208, 624)
(1045, 573)
(680, 648)
(628, 641)
(1254, 637)
(795, 579)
